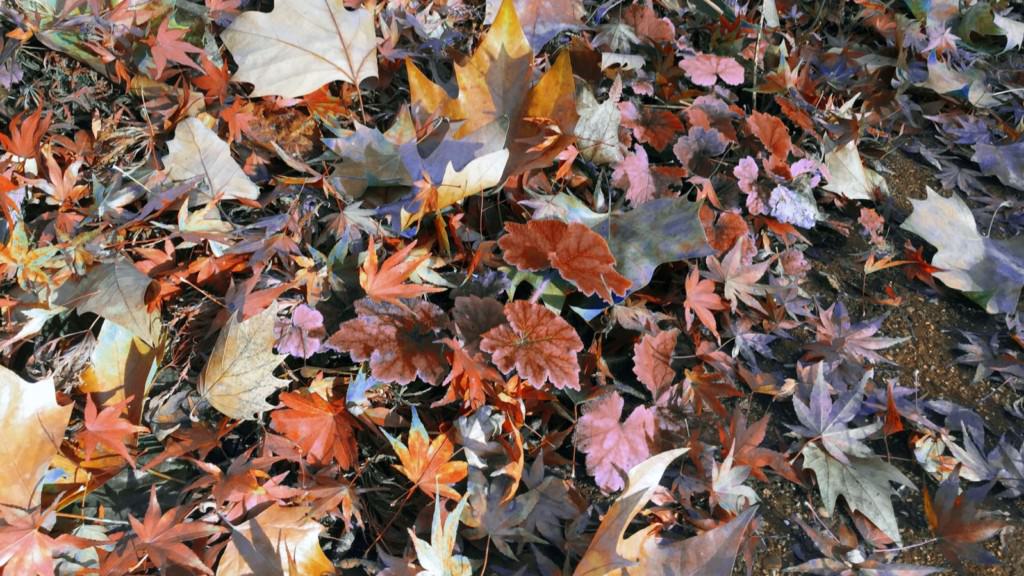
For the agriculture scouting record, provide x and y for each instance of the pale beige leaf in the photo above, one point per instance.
(121, 365)
(294, 536)
(115, 291)
(477, 176)
(597, 130)
(302, 45)
(240, 372)
(33, 425)
(604, 556)
(849, 177)
(197, 152)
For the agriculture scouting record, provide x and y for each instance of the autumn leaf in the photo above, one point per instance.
(746, 450)
(739, 279)
(580, 255)
(399, 341)
(116, 291)
(25, 548)
(773, 133)
(438, 557)
(540, 345)
(705, 388)
(160, 536)
(35, 425)
(26, 132)
(471, 378)
(707, 69)
(959, 523)
(386, 282)
(197, 152)
(542, 20)
(240, 372)
(300, 46)
(428, 464)
(652, 360)
(323, 430)
(108, 428)
(612, 447)
(286, 534)
(702, 300)
(168, 46)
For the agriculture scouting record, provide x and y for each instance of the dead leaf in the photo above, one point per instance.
(115, 291)
(197, 152)
(291, 532)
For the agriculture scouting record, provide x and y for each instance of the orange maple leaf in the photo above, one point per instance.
(386, 283)
(108, 428)
(428, 464)
(322, 429)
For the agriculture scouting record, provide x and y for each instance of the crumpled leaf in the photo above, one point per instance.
(1005, 162)
(115, 291)
(197, 152)
(711, 553)
(399, 341)
(540, 345)
(604, 555)
(849, 177)
(300, 46)
(35, 423)
(613, 447)
(288, 532)
(863, 483)
(988, 270)
(580, 255)
(239, 375)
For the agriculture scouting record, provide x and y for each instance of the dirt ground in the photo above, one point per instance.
(927, 359)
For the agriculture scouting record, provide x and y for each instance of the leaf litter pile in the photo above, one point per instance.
(524, 287)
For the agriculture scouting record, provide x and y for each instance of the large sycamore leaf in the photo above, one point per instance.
(115, 291)
(33, 425)
(240, 372)
(302, 45)
(848, 177)
(197, 152)
(987, 270)
(122, 365)
(605, 555)
(289, 533)
(542, 20)
(863, 483)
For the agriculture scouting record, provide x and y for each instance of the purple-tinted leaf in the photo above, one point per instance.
(827, 421)
(1005, 162)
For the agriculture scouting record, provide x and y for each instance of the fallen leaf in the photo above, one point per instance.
(540, 345)
(1005, 162)
(108, 428)
(438, 557)
(35, 425)
(542, 20)
(711, 553)
(959, 523)
(160, 536)
(197, 152)
(613, 447)
(300, 46)
(849, 177)
(386, 283)
(707, 69)
(597, 131)
(428, 464)
(702, 300)
(322, 429)
(289, 532)
(240, 372)
(652, 360)
(115, 291)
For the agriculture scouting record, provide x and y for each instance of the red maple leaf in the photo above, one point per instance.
(918, 268)
(108, 428)
(160, 536)
(322, 429)
(652, 362)
(386, 283)
(702, 300)
(470, 379)
(399, 341)
(214, 83)
(958, 522)
(168, 46)
(24, 546)
(26, 133)
(747, 450)
(539, 344)
(614, 447)
(579, 254)
(705, 388)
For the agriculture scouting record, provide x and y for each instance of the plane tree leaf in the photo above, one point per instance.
(115, 291)
(542, 20)
(302, 45)
(197, 152)
(290, 532)
(828, 422)
(239, 375)
(988, 270)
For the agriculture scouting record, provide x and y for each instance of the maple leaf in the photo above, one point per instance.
(838, 340)
(239, 375)
(283, 538)
(385, 283)
(707, 69)
(24, 546)
(470, 379)
(739, 279)
(497, 518)
(26, 132)
(702, 300)
(612, 447)
(324, 430)
(214, 81)
(917, 267)
(438, 557)
(727, 489)
(539, 344)
(841, 561)
(745, 447)
(652, 360)
(300, 46)
(428, 464)
(579, 254)
(828, 422)
(35, 425)
(705, 388)
(160, 536)
(959, 523)
(108, 428)
(556, 503)
(399, 341)
(168, 46)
